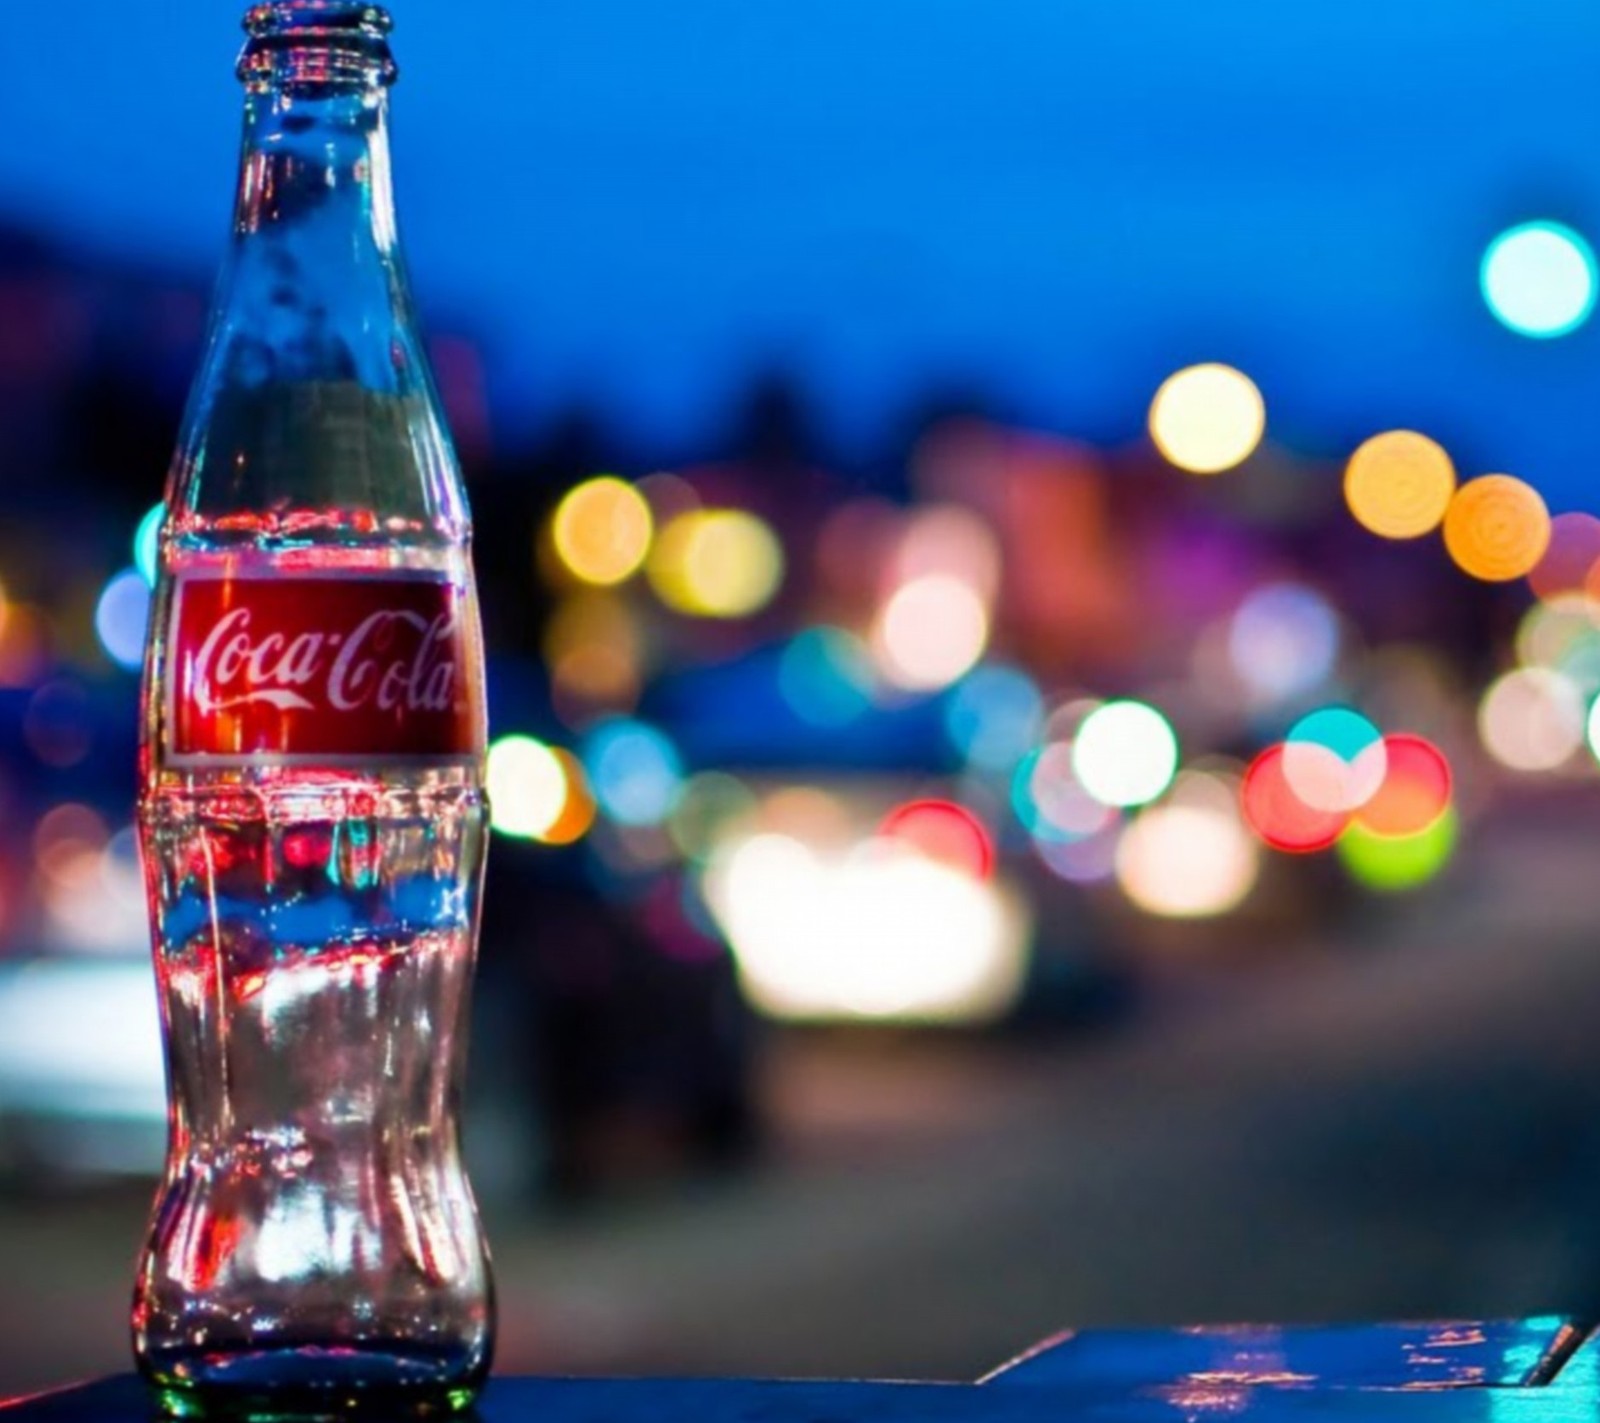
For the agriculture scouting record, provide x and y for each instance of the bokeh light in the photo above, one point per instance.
(1398, 484)
(1390, 863)
(64, 834)
(1087, 861)
(1497, 528)
(90, 881)
(1207, 418)
(1564, 636)
(1278, 815)
(578, 814)
(1539, 279)
(1125, 753)
(826, 677)
(1532, 719)
(945, 832)
(147, 544)
(994, 715)
(121, 617)
(1415, 792)
(595, 651)
(712, 806)
(602, 530)
(1283, 641)
(953, 540)
(1570, 559)
(1334, 759)
(634, 771)
(930, 632)
(880, 933)
(809, 813)
(527, 786)
(96, 899)
(1592, 730)
(1187, 861)
(716, 563)
(25, 644)
(1050, 800)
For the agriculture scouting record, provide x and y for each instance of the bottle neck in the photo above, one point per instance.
(314, 287)
(315, 163)
(315, 410)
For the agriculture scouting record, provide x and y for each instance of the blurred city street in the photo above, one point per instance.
(979, 627)
(1396, 1124)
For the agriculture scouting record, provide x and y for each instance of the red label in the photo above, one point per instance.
(307, 668)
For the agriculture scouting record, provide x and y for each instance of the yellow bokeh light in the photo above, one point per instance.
(602, 530)
(1497, 528)
(1209, 418)
(1398, 484)
(716, 563)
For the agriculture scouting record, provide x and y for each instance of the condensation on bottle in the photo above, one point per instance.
(312, 811)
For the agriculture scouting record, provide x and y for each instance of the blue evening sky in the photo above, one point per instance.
(1055, 200)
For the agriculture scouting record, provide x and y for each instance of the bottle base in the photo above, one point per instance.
(305, 1385)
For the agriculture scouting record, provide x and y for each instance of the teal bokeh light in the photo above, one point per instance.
(1341, 730)
(1540, 279)
(147, 544)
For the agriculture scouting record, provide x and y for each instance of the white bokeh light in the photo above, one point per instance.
(1187, 861)
(930, 632)
(1125, 753)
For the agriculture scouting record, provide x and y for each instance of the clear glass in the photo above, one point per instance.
(314, 1247)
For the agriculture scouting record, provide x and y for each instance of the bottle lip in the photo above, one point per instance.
(301, 16)
(310, 45)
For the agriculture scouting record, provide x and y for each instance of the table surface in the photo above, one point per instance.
(1544, 1370)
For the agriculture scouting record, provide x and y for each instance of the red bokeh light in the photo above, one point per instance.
(1279, 816)
(943, 831)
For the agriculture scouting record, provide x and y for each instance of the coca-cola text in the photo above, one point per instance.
(304, 667)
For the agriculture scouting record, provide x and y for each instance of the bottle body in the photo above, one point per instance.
(312, 814)
(315, 1244)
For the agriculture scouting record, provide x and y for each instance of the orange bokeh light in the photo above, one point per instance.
(1497, 528)
(1415, 790)
(578, 810)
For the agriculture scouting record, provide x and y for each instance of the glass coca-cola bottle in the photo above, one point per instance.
(312, 809)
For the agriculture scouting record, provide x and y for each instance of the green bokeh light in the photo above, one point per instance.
(1392, 863)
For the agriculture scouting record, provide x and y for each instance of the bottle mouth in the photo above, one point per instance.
(309, 45)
